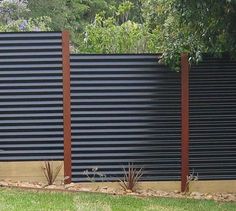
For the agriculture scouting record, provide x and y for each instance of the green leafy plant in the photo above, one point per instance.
(190, 178)
(50, 172)
(131, 178)
(91, 175)
(15, 17)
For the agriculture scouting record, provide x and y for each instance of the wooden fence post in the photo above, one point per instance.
(66, 106)
(184, 121)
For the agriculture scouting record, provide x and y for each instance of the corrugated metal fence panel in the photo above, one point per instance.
(31, 113)
(213, 119)
(125, 108)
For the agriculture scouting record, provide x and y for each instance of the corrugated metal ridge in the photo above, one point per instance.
(31, 34)
(114, 60)
(111, 56)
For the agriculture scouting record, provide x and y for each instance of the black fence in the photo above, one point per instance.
(31, 96)
(213, 118)
(124, 109)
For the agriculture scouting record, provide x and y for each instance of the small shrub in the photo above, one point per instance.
(91, 175)
(131, 178)
(190, 178)
(50, 172)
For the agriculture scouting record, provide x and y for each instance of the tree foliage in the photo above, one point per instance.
(213, 22)
(15, 16)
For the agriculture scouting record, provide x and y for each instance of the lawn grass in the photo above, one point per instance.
(21, 200)
(101, 202)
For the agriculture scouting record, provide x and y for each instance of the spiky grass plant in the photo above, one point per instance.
(131, 177)
(50, 172)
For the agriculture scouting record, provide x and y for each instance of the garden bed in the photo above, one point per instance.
(74, 187)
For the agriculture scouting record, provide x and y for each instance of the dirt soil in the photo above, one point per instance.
(73, 187)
